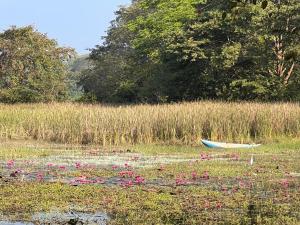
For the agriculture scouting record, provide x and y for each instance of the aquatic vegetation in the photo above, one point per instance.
(201, 188)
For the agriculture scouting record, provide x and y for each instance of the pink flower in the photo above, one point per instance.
(62, 167)
(139, 180)
(99, 181)
(39, 177)
(205, 175)
(136, 158)
(126, 173)
(127, 166)
(83, 180)
(50, 164)
(77, 165)
(10, 164)
(219, 205)
(204, 156)
(114, 167)
(285, 183)
(194, 175)
(127, 183)
(242, 184)
(235, 157)
(207, 204)
(180, 181)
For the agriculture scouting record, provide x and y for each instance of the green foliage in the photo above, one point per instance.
(164, 51)
(32, 67)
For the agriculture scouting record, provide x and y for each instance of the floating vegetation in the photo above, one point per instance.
(137, 187)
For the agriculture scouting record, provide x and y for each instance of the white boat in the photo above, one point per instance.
(212, 144)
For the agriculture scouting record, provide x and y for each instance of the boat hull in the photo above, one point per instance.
(212, 144)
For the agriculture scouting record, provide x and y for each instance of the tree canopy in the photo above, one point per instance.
(173, 50)
(32, 66)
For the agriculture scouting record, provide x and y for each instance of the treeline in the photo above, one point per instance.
(165, 51)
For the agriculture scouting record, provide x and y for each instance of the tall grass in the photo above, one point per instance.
(184, 123)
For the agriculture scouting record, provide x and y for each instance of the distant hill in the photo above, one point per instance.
(79, 63)
(76, 66)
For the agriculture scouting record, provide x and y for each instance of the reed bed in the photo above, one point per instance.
(184, 123)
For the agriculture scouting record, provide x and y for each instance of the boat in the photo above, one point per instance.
(213, 144)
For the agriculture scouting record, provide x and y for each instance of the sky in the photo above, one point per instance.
(79, 24)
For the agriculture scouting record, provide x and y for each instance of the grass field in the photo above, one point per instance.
(67, 164)
(184, 123)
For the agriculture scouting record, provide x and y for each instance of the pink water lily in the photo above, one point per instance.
(136, 158)
(180, 181)
(242, 184)
(114, 167)
(126, 173)
(219, 205)
(205, 175)
(127, 183)
(284, 183)
(235, 157)
(78, 165)
(204, 156)
(194, 175)
(127, 166)
(139, 180)
(50, 165)
(39, 177)
(206, 204)
(84, 180)
(62, 167)
(10, 164)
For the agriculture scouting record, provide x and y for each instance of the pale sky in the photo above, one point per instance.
(73, 23)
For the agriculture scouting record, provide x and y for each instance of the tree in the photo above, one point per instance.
(32, 67)
(178, 50)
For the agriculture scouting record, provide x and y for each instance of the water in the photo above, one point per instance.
(14, 223)
(56, 218)
(71, 218)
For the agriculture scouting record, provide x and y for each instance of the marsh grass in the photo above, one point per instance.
(184, 123)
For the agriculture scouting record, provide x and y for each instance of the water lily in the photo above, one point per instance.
(114, 167)
(62, 167)
(235, 157)
(127, 183)
(39, 177)
(127, 165)
(10, 164)
(77, 165)
(284, 183)
(50, 165)
(139, 180)
(206, 204)
(205, 175)
(180, 181)
(126, 173)
(194, 175)
(219, 205)
(204, 156)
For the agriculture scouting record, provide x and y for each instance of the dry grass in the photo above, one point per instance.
(184, 123)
